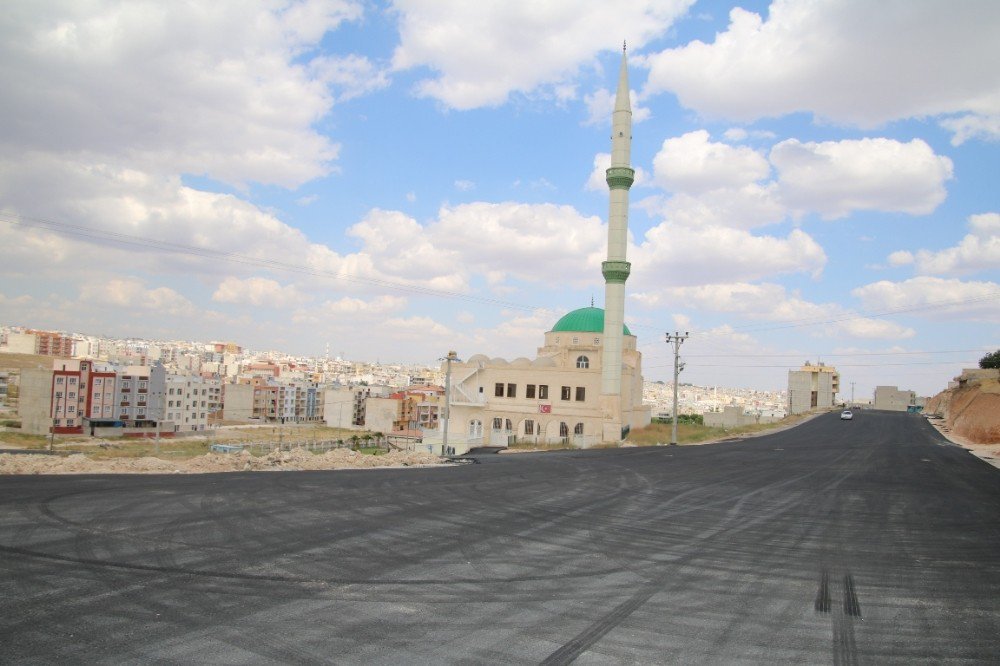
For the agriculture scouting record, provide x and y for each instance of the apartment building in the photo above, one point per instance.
(892, 399)
(812, 387)
(45, 343)
(410, 410)
(187, 401)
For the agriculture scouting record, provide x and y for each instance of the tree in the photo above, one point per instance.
(990, 360)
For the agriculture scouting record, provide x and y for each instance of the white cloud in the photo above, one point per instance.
(132, 294)
(123, 212)
(934, 298)
(191, 93)
(349, 313)
(738, 134)
(771, 302)
(900, 258)
(851, 62)
(519, 46)
(258, 292)
(351, 76)
(973, 126)
(837, 177)
(601, 105)
(746, 207)
(674, 255)
(978, 251)
(693, 164)
(539, 243)
(519, 330)
(418, 328)
(597, 182)
(464, 185)
(722, 185)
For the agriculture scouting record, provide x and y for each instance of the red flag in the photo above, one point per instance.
(545, 409)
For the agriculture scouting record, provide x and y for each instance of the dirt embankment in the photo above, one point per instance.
(296, 459)
(972, 410)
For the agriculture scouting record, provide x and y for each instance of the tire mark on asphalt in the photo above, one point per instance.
(580, 643)
(852, 606)
(822, 603)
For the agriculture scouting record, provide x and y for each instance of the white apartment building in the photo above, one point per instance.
(188, 401)
(812, 387)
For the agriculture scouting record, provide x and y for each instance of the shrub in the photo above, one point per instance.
(990, 361)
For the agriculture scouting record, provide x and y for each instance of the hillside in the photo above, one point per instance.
(971, 409)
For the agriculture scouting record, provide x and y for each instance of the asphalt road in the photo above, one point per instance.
(872, 541)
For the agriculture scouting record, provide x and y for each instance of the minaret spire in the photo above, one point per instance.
(620, 177)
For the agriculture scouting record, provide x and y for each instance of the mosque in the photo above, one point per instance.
(585, 385)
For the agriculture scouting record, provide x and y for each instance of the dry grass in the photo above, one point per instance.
(659, 433)
(182, 447)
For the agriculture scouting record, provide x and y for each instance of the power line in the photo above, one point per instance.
(233, 257)
(795, 355)
(839, 365)
(84, 232)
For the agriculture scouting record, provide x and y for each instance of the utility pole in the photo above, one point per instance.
(52, 425)
(677, 340)
(852, 394)
(452, 356)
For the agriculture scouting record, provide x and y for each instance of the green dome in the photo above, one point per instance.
(584, 320)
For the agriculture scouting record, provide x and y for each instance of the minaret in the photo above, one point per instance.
(616, 269)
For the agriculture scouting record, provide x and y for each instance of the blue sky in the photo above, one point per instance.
(816, 180)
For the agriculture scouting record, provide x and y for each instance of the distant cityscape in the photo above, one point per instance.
(229, 361)
(134, 387)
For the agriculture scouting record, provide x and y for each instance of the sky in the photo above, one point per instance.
(387, 181)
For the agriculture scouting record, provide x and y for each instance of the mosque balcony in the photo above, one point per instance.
(620, 177)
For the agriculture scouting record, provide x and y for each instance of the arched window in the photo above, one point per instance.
(510, 426)
(563, 430)
(497, 423)
(583, 362)
(578, 429)
(475, 428)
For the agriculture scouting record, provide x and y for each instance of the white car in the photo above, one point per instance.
(846, 415)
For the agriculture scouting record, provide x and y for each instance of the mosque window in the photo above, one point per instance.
(597, 341)
(578, 429)
(583, 362)
(563, 430)
(511, 390)
(576, 341)
(581, 393)
(566, 393)
(475, 428)
(497, 423)
(529, 391)
(543, 391)
(529, 427)
(498, 390)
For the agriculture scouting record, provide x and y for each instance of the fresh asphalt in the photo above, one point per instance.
(872, 541)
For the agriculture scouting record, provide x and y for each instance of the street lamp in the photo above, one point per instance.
(452, 356)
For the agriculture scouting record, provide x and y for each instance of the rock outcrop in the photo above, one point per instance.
(971, 407)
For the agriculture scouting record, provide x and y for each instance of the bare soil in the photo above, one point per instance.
(295, 459)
